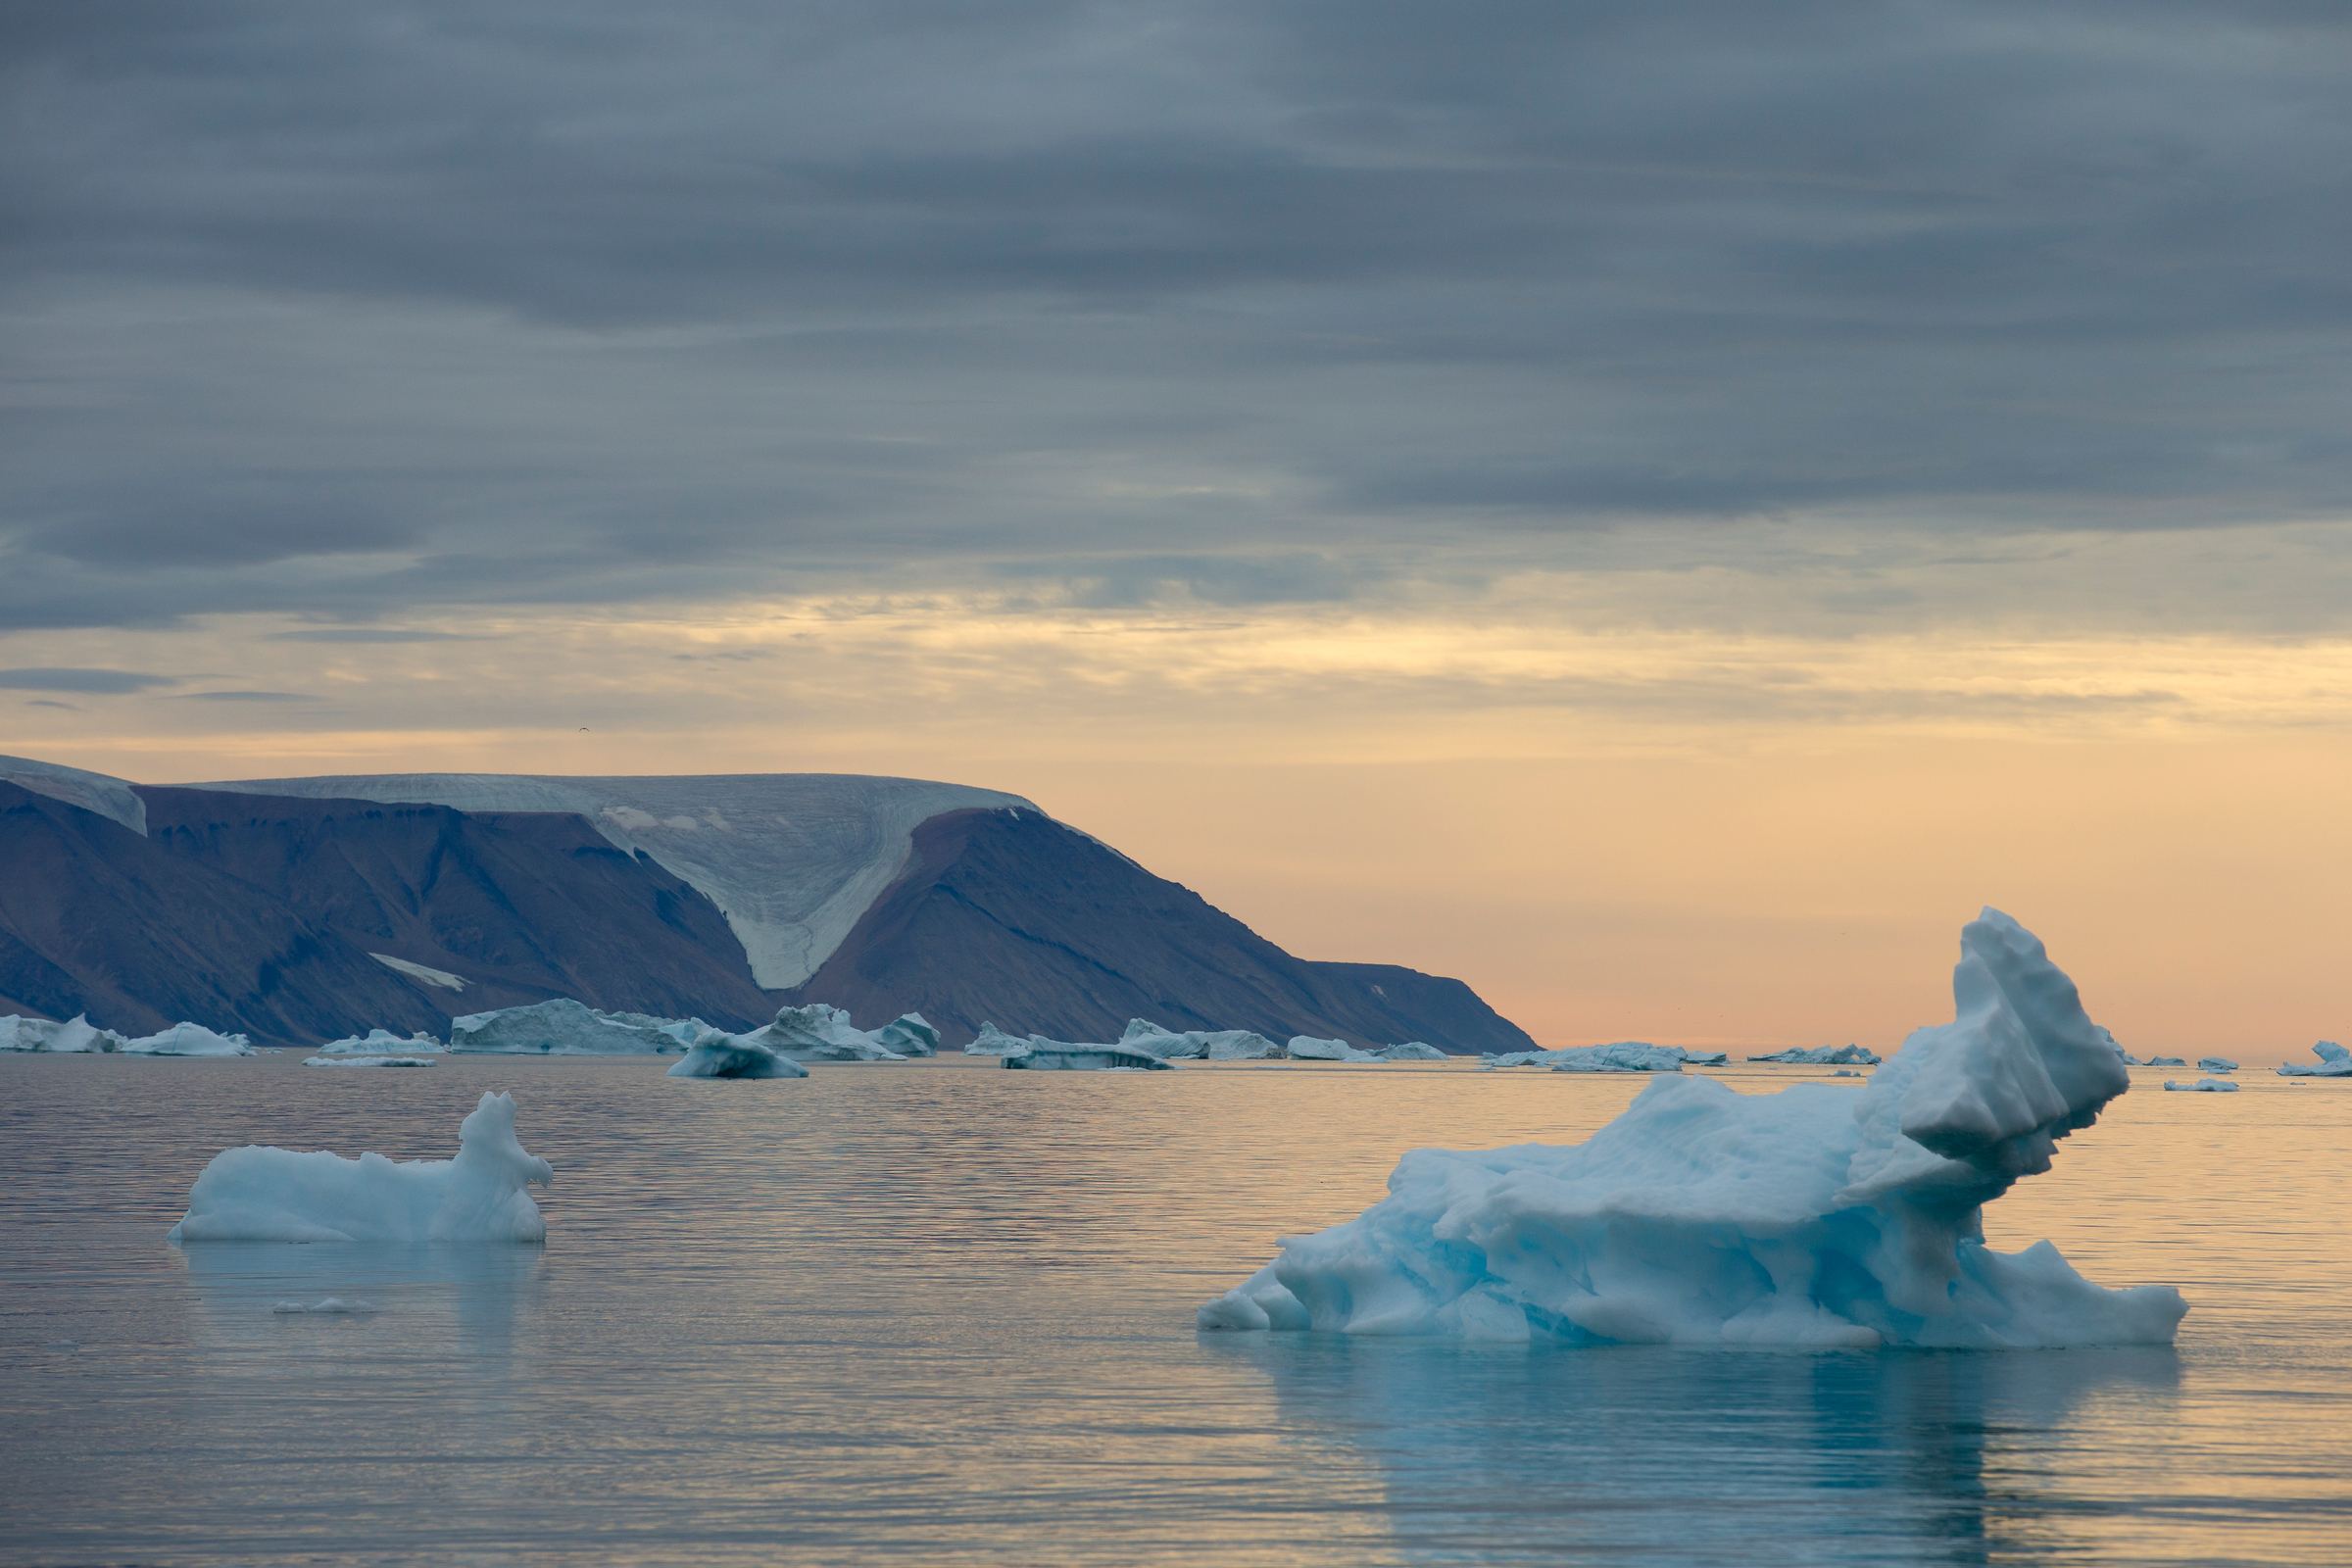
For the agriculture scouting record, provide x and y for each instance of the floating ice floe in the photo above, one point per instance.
(1825, 1056)
(75, 1036)
(2334, 1062)
(367, 1062)
(189, 1039)
(1039, 1055)
(382, 1043)
(2203, 1086)
(1815, 1216)
(275, 1195)
(1213, 1045)
(2216, 1064)
(724, 1055)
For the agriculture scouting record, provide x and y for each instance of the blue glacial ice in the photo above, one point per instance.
(2334, 1062)
(1814, 1216)
(2203, 1086)
(275, 1195)
(75, 1036)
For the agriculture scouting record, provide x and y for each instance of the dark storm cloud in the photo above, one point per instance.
(347, 310)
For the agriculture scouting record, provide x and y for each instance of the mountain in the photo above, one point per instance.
(1009, 917)
(298, 910)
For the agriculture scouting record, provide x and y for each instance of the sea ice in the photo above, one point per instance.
(275, 1195)
(1306, 1047)
(76, 1034)
(1814, 1216)
(1823, 1057)
(382, 1041)
(725, 1055)
(1039, 1055)
(2203, 1086)
(2334, 1062)
(189, 1039)
(2216, 1064)
(367, 1061)
(556, 1027)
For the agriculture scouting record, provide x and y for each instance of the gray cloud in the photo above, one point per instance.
(43, 702)
(365, 634)
(93, 682)
(239, 696)
(354, 313)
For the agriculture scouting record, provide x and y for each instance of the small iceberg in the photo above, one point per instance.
(367, 1062)
(1410, 1050)
(2164, 1062)
(77, 1034)
(821, 1033)
(1619, 1055)
(558, 1027)
(2203, 1086)
(1212, 1045)
(1306, 1047)
(189, 1040)
(1039, 1055)
(909, 1034)
(2334, 1062)
(275, 1195)
(382, 1043)
(724, 1055)
(1816, 1216)
(994, 1042)
(2216, 1064)
(1823, 1057)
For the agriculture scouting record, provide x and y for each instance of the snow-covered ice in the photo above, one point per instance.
(1823, 1057)
(2204, 1086)
(76, 1034)
(2216, 1064)
(2334, 1062)
(382, 1043)
(367, 1061)
(256, 1193)
(1814, 1216)
(189, 1039)
(724, 1055)
(559, 1027)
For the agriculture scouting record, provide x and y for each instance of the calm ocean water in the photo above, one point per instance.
(943, 1314)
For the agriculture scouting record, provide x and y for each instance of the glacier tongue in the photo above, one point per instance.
(1808, 1217)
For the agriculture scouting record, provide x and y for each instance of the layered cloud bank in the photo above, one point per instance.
(1807, 1218)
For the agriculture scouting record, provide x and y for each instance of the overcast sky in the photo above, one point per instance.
(358, 310)
(1659, 510)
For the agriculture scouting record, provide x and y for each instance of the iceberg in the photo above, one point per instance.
(1621, 1056)
(2203, 1086)
(189, 1039)
(2164, 1062)
(558, 1027)
(2334, 1062)
(1815, 1216)
(717, 1054)
(1410, 1051)
(819, 1033)
(2216, 1064)
(1306, 1047)
(275, 1195)
(994, 1042)
(1825, 1056)
(908, 1034)
(1213, 1045)
(367, 1062)
(77, 1035)
(1039, 1055)
(382, 1041)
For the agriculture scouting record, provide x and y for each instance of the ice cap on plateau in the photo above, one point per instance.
(1813, 1216)
(2334, 1062)
(92, 792)
(258, 1194)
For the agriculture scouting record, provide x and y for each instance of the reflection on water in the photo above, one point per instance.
(944, 1314)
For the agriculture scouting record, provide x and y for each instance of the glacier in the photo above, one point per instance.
(189, 1039)
(1816, 1216)
(76, 1034)
(2334, 1062)
(257, 1194)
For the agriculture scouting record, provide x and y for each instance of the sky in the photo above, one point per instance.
(1660, 511)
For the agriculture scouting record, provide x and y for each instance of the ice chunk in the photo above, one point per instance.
(382, 1041)
(1624, 1056)
(1041, 1054)
(819, 1033)
(558, 1027)
(275, 1195)
(724, 1055)
(908, 1034)
(2334, 1062)
(2216, 1064)
(1814, 1216)
(76, 1034)
(1306, 1047)
(189, 1039)
(1410, 1051)
(2204, 1086)
(367, 1062)
(1823, 1057)
(994, 1042)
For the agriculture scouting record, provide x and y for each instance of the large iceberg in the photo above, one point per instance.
(382, 1043)
(2216, 1064)
(1213, 1045)
(1410, 1051)
(909, 1034)
(2203, 1086)
(1621, 1056)
(724, 1055)
(1826, 1057)
(1814, 1216)
(819, 1033)
(1306, 1047)
(556, 1027)
(189, 1039)
(76, 1034)
(1039, 1055)
(275, 1195)
(2334, 1062)
(367, 1062)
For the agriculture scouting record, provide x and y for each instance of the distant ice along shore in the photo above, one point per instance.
(1808, 1217)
